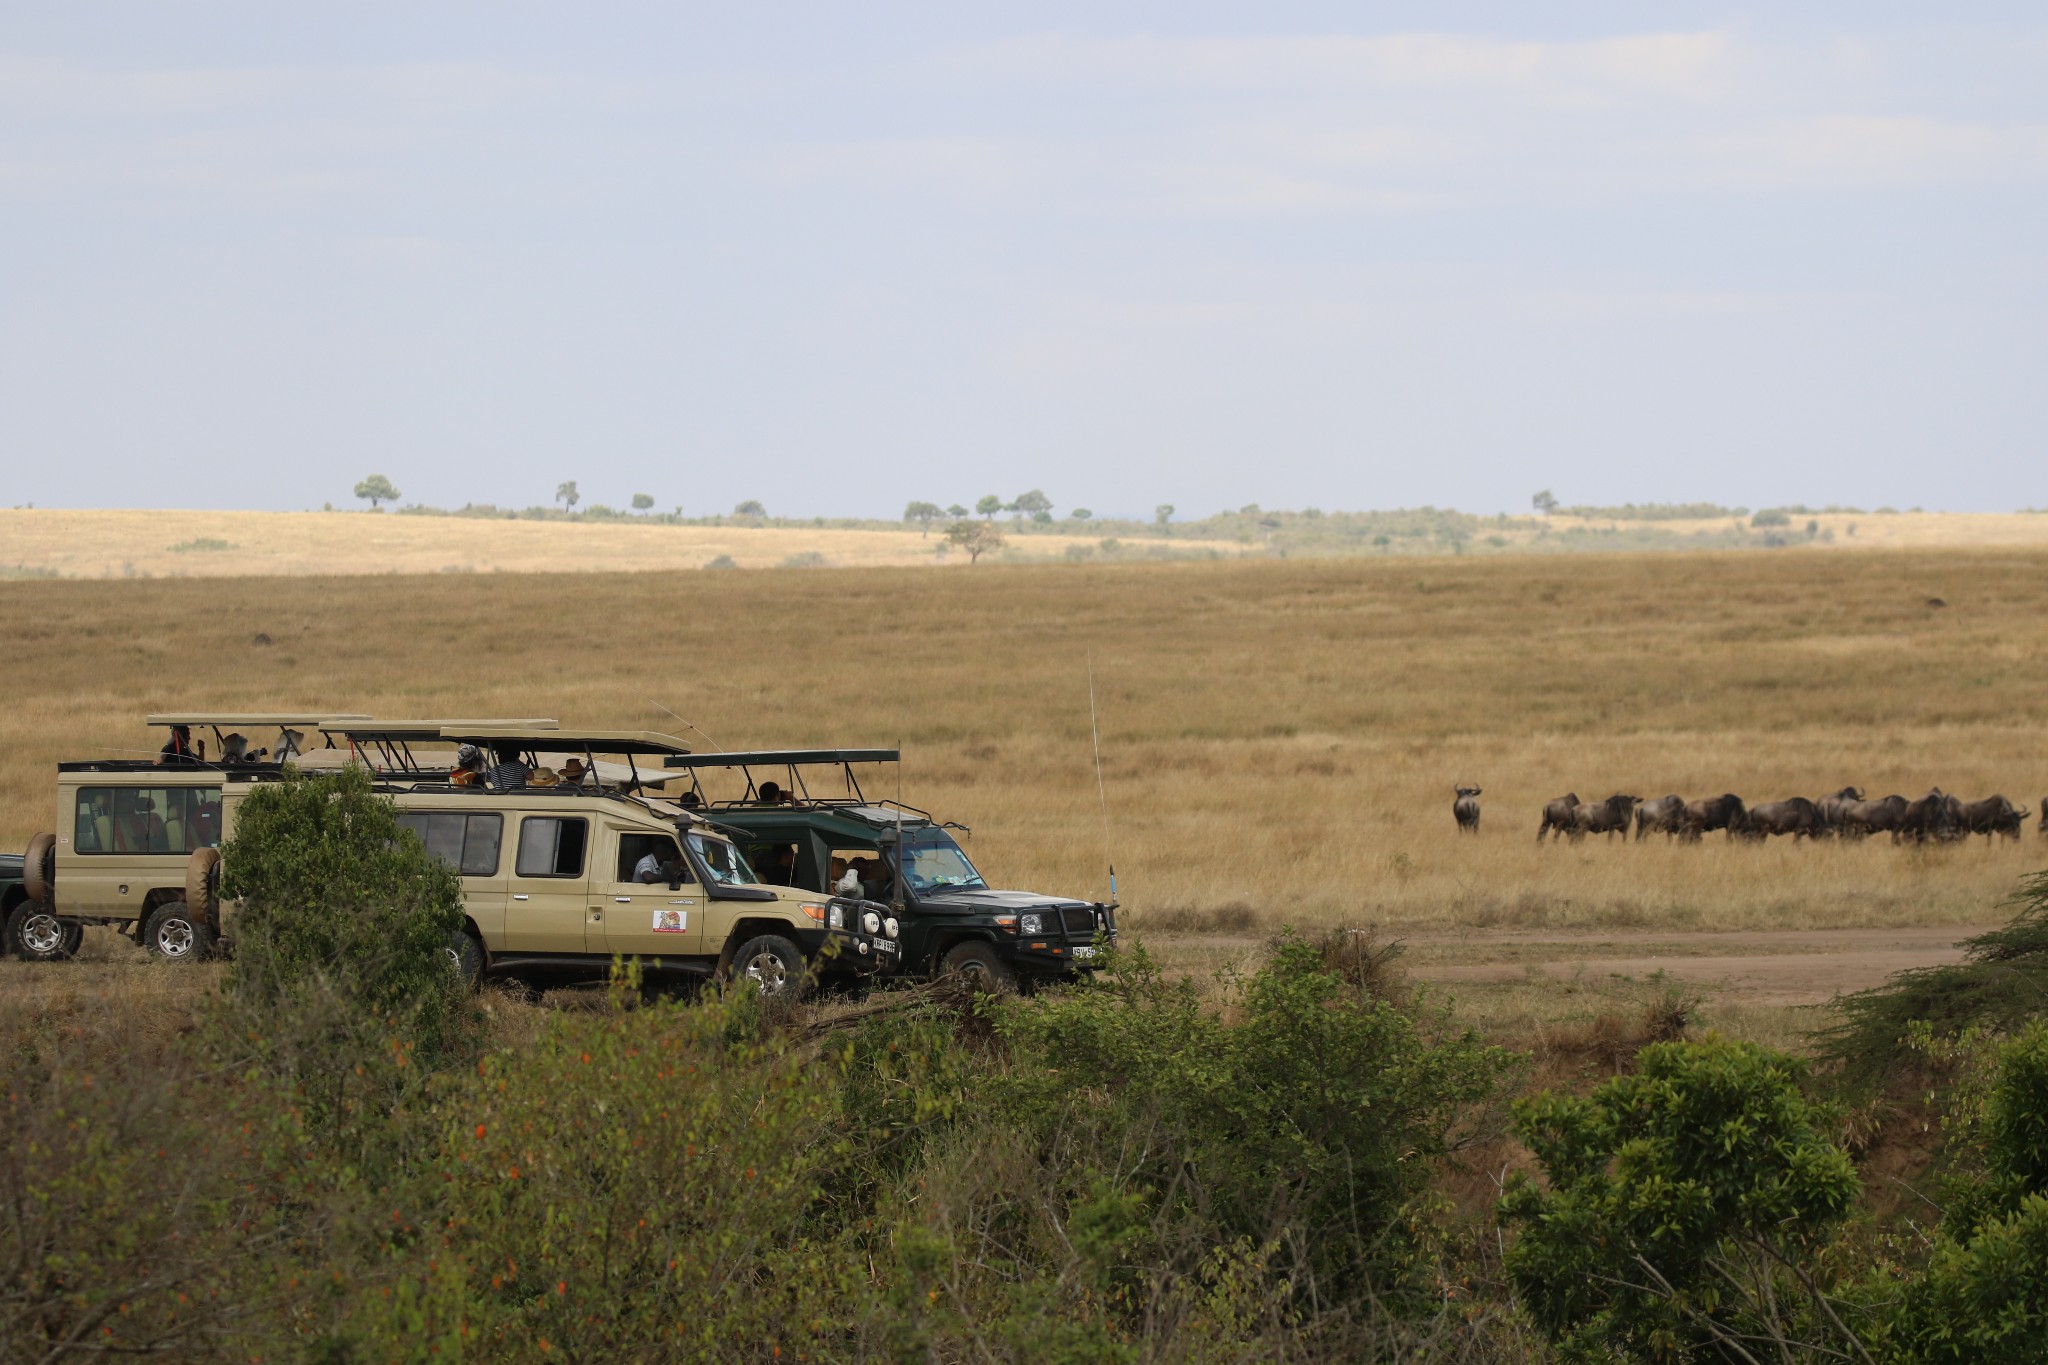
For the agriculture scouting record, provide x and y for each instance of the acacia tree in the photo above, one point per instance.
(377, 489)
(989, 506)
(643, 502)
(1544, 502)
(975, 537)
(1034, 504)
(956, 511)
(1163, 513)
(751, 508)
(566, 494)
(923, 513)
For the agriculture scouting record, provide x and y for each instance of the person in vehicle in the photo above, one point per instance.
(469, 767)
(649, 869)
(573, 773)
(177, 751)
(510, 773)
(137, 826)
(780, 867)
(771, 793)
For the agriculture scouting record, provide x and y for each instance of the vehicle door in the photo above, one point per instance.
(545, 910)
(472, 843)
(646, 919)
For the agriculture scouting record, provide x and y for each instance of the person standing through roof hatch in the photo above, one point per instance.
(177, 751)
(510, 773)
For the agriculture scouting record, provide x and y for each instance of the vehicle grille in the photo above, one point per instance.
(1079, 923)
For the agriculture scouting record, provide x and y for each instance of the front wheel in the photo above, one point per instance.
(35, 933)
(174, 934)
(772, 963)
(977, 961)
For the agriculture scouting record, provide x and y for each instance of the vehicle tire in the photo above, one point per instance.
(202, 886)
(977, 961)
(35, 933)
(39, 868)
(772, 963)
(176, 935)
(467, 957)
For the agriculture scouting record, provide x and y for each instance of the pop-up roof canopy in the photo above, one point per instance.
(362, 728)
(228, 720)
(777, 758)
(553, 741)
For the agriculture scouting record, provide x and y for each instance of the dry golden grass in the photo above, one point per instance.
(1281, 736)
(129, 544)
(1865, 530)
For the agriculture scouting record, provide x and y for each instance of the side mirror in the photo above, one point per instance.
(675, 877)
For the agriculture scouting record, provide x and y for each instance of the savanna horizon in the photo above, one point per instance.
(1280, 738)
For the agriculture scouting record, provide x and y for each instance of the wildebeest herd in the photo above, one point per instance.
(1937, 816)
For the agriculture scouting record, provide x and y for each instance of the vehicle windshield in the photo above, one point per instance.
(937, 862)
(722, 861)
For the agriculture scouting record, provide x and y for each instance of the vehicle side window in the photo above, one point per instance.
(552, 846)
(634, 847)
(146, 819)
(467, 843)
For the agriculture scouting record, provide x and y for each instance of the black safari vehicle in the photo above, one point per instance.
(951, 920)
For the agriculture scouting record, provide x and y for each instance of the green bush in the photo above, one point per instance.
(328, 885)
(1679, 1201)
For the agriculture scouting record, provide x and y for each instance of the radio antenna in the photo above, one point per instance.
(896, 900)
(1101, 791)
(707, 739)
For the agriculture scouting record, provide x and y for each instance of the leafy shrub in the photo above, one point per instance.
(1771, 516)
(1984, 1293)
(338, 901)
(1677, 1198)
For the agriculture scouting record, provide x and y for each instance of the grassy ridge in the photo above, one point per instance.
(1278, 735)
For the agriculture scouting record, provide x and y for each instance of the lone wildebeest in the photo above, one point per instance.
(1604, 817)
(1993, 815)
(1797, 817)
(1711, 812)
(1466, 809)
(1663, 813)
(1558, 816)
(1882, 816)
(1936, 815)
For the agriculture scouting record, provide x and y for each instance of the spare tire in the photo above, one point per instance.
(39, 868)
(202, 886)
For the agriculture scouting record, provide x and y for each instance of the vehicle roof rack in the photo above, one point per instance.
(364, 727)
(550, 740)
(311, 719)
(766, 758)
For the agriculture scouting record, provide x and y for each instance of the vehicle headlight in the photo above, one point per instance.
(889, 924)
(871, 922)
(836, 916)
(1032, 924)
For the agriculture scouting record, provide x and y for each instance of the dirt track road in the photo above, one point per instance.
(1790, 967)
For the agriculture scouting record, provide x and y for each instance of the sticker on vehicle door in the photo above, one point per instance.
(671, 921)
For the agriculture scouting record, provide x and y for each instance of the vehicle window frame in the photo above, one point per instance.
(561, 822)
(162, 799)
(494, 821)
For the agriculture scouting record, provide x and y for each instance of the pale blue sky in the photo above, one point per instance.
(837, 257)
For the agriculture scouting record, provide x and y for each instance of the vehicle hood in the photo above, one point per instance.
(994, 902)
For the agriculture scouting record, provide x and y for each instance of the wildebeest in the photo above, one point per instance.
(1664, 813)
(1936, 815)
(1831, 808)
(1711, 812)
(1466, 809)
(1604, 817)
(1558, 816)
(1992, 815)
(1797, 817)
(1882, 816)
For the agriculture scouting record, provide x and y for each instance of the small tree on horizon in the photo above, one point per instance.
(566, 494)
(1034, 504)
(377, 489)
(975, 537)
(989, 506)
(956, 510)
(1544, 502)
(752, 507)
(923, 513)
(1081, 514)
(1163, 513)
(643, 502)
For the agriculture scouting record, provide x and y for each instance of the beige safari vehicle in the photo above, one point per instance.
(570, 858)
(137, 838)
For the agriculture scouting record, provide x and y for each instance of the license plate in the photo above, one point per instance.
(1080, 953)
(882, 945)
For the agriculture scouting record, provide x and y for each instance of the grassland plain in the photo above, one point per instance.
(1279, 738)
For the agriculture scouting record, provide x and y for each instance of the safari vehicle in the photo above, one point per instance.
(548, 867)
(136, 842)
(951, 921)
